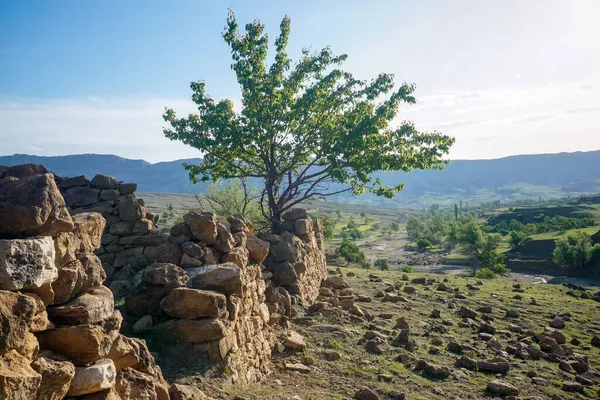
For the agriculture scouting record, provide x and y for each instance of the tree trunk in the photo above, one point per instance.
(274, 210)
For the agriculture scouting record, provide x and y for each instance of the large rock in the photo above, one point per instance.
(89, 308)
(225, 241)
(18, 381)
(79, 276)
(132, 384)
(225, 278)
(131, 209)
(165, 274)
(93, 378)
(81, 196)
(202, 225)
(57, 374)
(237, 256)
(257, 248)
(502, 388)
(32, 206)
(26, 263)
(126, 352)
(85, 238)
(193, 331)
(294, 214)
(193, 303)
(82, 344)
(25, 170)
(101, 181)
(17, 312)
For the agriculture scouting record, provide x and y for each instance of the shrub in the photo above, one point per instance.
(423, 243)
(351, 253)
(574, 250)
(407, 269)
(485, 273)
(382, 264)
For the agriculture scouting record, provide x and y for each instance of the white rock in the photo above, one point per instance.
(144, 324)
(94, 378)
(27, 263)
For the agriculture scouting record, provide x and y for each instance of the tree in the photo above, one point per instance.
(456, 212)
(395, 226)
(382, 264)
(351, 253)
(304, 127)
(328, 226)
(574, 250)
(423, 243)
(517, 238)
(483, 247)
(414, 227)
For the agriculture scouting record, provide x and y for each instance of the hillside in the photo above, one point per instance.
(509, 178)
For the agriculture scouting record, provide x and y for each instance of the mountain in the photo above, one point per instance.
(509, 178)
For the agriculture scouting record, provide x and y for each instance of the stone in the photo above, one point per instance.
(190, 262)
(125, 352)
(297, 367)
(190, 303)
(57, 374)
(186, 392)
(93, 378)
(144, 227)
(225, 278)
(132, 384)
(237, 256)
(294, 341)
(18, 381)
(165, 274)
(168, 253)
(193, 331)
(365, 394)
(130, 209)
(570, 386)
(17, 313)
(101, 181)
(27, 263)
(193, 250)
(79, 276)
(81, 196)
(85, 238)
(595, 340)
(143, 324)
(202, 225)
(502, 388)
(145, 299)
(82, 344)
(24, 170)
(494, 366)
(88, 308)
(224, 241)
(467, 312)
(133, 257)
(284, 274)
(557, 323)
(433, 370)
(109, 195)
(303, 226)
(294, 214)
(32, 206)
(466, 363)
(39, 322)
(127, 188)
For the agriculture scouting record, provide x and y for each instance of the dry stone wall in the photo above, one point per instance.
(59, 331)
(206, 289)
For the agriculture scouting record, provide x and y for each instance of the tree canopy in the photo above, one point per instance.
(302, 127)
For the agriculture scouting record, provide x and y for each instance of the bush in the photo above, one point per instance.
(574, 251)
(423, 243)
(485, 273)
(407, 269)
(596, 253)
(382, 264)
(351, 253)
(517, 238)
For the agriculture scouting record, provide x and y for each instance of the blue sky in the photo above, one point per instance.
(507, 77)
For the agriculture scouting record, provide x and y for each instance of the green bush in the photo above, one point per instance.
(423, 243)
(574, 250)
(485, 273)
(351, 253)
(407, 269)
(382, 264)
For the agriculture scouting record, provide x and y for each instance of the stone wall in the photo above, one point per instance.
(206, 289)
(59, 331)
(296, 258)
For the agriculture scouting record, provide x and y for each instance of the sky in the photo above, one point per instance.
(503, 77)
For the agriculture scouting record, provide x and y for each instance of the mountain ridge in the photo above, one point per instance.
(512, 177)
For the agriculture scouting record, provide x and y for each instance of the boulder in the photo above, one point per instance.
(294, 214)
(193, 331)
(189, 303)
(303, 226)
(365, 394)
(80, 180)
(294, 341)
(144, 324)
(81, 196)
(165, 274)
(126, 352)
(82, 344)
(258, 249)
(202, 225)
(237, 256)
(88, 308)
(32, 206)
(190, 262)
(93, 378)
(494, 366)
(57, 374)
(502, 388)
(225, 241)
(193, 250)
(18, 381)
(26, 263)
(25, 170)
(225, 278)
(132, 384)
(17, 313)
(127, 188)
(130, 209)
(145, 299)
(79, 276)
(168, 253)
(101, 181)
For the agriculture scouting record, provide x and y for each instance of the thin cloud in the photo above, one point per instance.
(585, 110)
(587, 87)
(535, 118)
